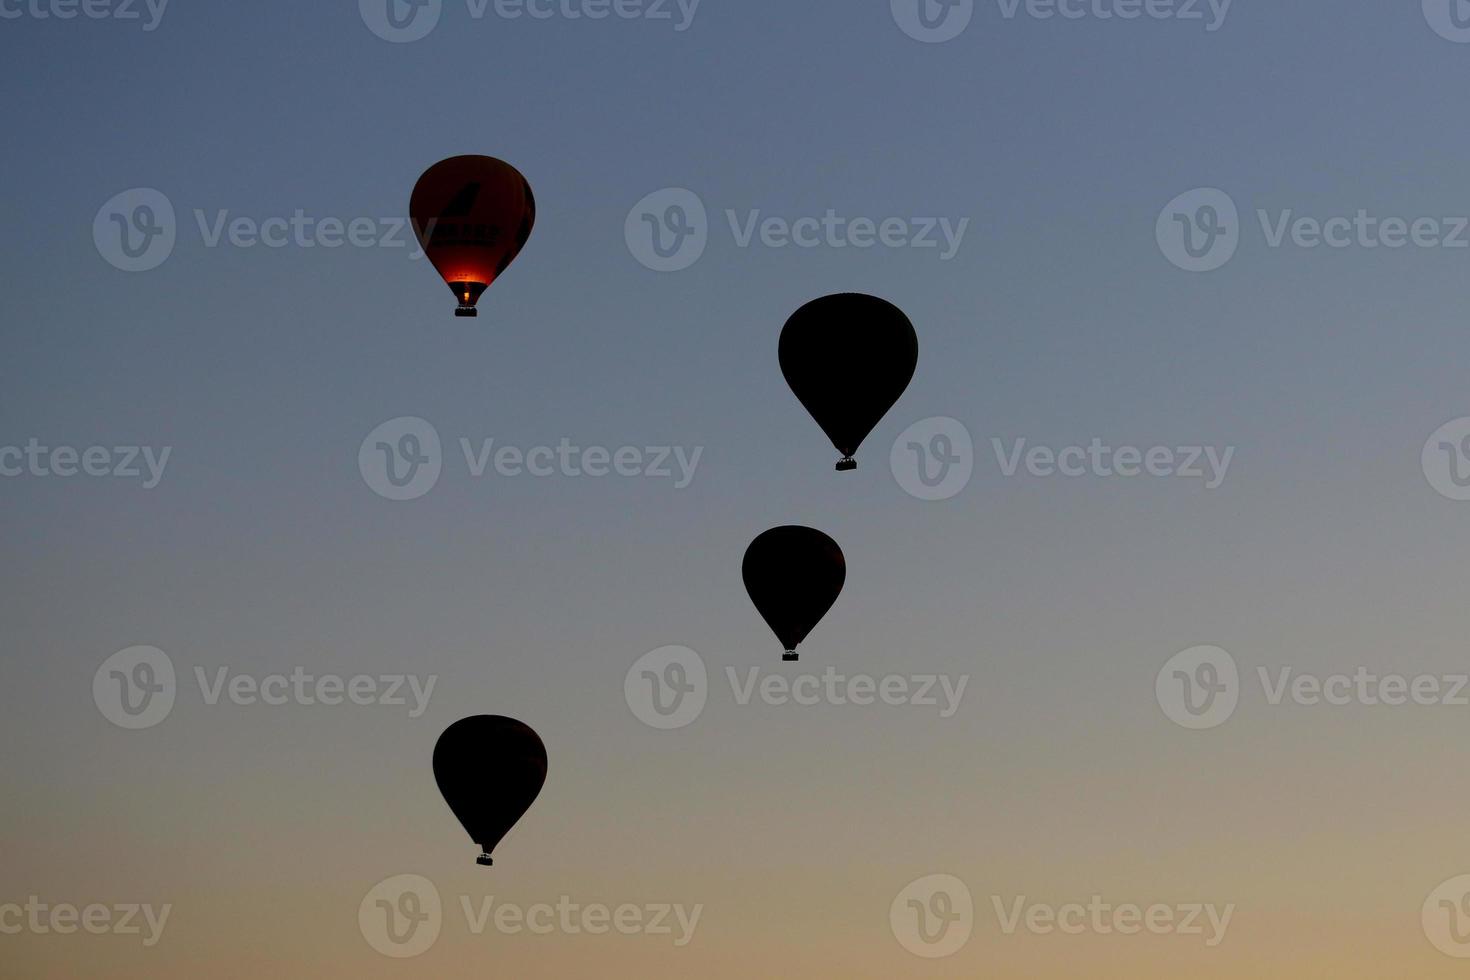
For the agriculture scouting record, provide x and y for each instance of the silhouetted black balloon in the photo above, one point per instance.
(848, 358)
(490, 770)
(793, 575)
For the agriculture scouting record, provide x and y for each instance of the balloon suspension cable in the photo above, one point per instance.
(846, 463)
(484, 860)
(789, 655)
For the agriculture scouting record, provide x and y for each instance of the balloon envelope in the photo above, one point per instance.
(490, 770)
(794, 575)
(848, 357)
(472, 215)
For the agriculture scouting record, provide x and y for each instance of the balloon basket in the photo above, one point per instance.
(790, 656)
(484, 861)
(466, 311)
(846, 463)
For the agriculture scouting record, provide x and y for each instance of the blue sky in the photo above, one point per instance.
(1059, 319)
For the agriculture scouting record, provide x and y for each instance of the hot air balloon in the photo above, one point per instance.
(490, 770)
(848, 357)
(472, 215)
(793, 575)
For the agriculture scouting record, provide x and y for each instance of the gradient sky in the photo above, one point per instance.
(1058, 321)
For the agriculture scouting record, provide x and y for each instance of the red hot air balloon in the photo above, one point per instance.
(472, 215)
(490, 770)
